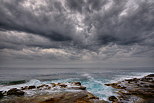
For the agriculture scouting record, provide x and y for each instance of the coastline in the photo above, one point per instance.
(135, 90)
(132, 90)
(72, 92)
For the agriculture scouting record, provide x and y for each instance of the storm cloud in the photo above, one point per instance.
(77, 30)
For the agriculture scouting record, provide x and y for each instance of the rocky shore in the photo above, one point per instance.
(76, 93)
(136, 90)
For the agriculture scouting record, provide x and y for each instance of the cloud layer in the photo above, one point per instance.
(77, 30)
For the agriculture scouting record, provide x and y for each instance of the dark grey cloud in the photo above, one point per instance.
(88, 6)
(47, 21)
(77, 29)
(104, 21)
(20, 40)
(124, 24)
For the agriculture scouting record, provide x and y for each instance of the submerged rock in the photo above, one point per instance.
(15, 91)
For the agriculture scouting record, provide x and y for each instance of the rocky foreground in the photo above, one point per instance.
(136, 90)
(39, 94)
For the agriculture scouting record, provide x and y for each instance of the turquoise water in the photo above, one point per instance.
(93, 78)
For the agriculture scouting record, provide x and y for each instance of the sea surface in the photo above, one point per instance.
(93, 78)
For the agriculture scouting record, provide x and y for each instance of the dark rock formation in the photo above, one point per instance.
(44, 86)
(77, 83)
(31, 87)
(62, 85)
(142, 89)
(82, 88)
(28, 87)
(1, 94)
(113, 99)
(15, 91)
(150, 75)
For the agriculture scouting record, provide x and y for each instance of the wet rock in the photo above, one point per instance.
(82, 88)
(107, 84)
(150, 75)
(112, 84)
(77, 83)
(62, 85)
(140, 88)
(15, 91)
(24, 88)
(1, 94)
(31, 87)
(113, 99)
(44, 87)
(28, 87)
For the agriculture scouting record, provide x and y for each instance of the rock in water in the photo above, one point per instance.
(15, 91)
(150, 75)
(1, 94)
(62, 85)
(77, 83)
(31, 87)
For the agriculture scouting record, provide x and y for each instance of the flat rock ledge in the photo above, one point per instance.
(136, 90)
(18, 95)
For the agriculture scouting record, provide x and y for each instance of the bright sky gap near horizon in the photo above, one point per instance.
(74, 33)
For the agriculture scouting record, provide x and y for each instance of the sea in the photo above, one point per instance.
(92, 78)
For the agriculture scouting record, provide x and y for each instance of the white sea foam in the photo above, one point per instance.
(97, 87)
(34, 82)
(92, 78)
(129, 76)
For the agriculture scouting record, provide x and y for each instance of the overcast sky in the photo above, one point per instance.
(101, 33)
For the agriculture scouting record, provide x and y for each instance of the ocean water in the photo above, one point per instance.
(93, 78)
